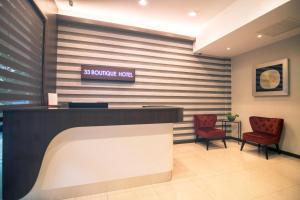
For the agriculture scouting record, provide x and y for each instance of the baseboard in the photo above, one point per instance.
(183, 141)
(188, 141)
(232, 138)
(237, 139)
(270, 148)
(193, 140)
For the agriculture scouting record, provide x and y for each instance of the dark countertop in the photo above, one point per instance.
(45, 108)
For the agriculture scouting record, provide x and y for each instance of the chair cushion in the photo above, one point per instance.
(210, 133)
(260, 138)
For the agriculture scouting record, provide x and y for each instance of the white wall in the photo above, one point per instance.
(286, 107)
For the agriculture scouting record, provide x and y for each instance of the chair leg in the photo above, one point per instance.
(207, 144)
(242, 146)
(258, 148)
(267, 156)
(196, 139)
(278, 150)
(224, 141)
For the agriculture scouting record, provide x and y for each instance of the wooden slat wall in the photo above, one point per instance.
(167, 72)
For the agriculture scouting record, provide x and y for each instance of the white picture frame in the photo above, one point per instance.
(271, 78)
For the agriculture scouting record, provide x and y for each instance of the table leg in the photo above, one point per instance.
(240, 132)
(225, 127)
(222, 126)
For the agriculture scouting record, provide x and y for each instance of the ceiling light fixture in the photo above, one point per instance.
(192, 13)
(71, 3)
(143, 2)
(228, 48)
(259, 36)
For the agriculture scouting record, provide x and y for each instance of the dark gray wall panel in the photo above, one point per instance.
(49, 10)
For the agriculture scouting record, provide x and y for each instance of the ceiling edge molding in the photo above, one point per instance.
(73, 19)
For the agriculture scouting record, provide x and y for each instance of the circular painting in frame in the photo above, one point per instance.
(271, 79)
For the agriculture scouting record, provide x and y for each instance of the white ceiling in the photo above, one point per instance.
(282, 22)
(219, 24)
(161, 15)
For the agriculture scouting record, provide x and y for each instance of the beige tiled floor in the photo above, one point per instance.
(220, 174)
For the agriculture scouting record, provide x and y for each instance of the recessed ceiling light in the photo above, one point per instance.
(228, 48)
(192, 13)
(143, 2)
(259, 36)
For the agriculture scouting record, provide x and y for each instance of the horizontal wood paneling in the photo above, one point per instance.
(167, 73)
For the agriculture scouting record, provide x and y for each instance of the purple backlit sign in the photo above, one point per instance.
(120, 74)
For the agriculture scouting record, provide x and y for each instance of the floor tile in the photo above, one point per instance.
(290, 193)
(220, 174)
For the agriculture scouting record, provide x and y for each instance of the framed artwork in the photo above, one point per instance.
(271, 79)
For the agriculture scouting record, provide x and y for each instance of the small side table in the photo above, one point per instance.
(239, 123)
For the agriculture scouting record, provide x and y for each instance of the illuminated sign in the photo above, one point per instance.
(93, 72)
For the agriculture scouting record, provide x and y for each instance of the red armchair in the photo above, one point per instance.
(205, 128)
(266, 131)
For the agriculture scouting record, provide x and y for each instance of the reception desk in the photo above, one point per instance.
(63, 153)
